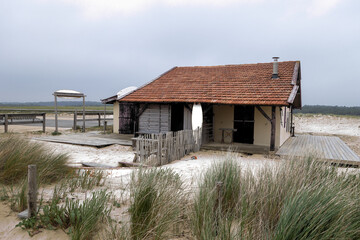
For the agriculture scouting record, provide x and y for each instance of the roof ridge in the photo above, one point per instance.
(235, 65)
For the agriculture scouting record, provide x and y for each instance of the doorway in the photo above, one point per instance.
(244, 124)
(177, 117)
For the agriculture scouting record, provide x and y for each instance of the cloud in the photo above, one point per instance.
(97, 9)
(321, 7)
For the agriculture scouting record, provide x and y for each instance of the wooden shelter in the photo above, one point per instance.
(246, 103)
(69, 94)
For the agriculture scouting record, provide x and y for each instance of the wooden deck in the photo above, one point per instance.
(88, 139)
(236, 147)
(325, 148)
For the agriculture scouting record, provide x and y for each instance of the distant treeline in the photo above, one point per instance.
(50, 104)
(336, 110)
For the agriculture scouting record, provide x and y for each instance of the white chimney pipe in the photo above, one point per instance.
(275, 68)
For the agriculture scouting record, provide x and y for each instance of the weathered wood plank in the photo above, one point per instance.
(321, 147)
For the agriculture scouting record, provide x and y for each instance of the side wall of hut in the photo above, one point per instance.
(262, 128)
(116, 117)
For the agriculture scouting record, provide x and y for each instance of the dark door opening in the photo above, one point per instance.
(177, 117)
(244, 124)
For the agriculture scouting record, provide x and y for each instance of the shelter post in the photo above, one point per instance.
(83, 113)
(56, 114)
(105, 118)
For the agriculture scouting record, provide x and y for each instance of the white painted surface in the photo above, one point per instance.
(68, 92)
(126, 91)
(197, 116)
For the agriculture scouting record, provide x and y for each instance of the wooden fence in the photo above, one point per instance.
(100, 118)
(22, 118)
(163, 148)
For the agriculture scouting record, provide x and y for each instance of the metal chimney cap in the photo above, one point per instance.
(276, 58)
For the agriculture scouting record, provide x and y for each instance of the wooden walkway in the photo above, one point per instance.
(84, 139)
(325, 148)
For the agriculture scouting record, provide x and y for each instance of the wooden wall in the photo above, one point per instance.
(208, 123)
(126, 117)
(156, 118)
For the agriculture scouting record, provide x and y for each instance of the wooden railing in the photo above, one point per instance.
(100, 118)
(163, 148)
(22, 118)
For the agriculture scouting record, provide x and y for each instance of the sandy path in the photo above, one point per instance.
(108, 155)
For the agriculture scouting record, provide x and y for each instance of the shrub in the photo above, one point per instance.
(17, 153)
(155, 203)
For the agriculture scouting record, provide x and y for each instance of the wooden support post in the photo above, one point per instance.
(56, 116)
(105, 118)
(99, 123)
(292, 128)
(44, 122)
(83, 128)
(273, 128)
(6, 123)
(75, 120)
(32, 191)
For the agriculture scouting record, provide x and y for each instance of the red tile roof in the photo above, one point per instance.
(248, 84)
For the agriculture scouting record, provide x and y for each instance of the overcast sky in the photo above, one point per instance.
(102, 46)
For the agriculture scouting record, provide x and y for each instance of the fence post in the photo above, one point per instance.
(6, 123)
(159, 151)
(32, 191)
(99, 119)
(44, 122)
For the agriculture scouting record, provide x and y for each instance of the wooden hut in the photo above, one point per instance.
(246, 103)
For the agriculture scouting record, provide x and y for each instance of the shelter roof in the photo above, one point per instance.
(245, 84)
(68, 94)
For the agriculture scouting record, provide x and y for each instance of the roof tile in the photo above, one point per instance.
(249, 84)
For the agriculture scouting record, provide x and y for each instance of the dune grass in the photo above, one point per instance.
(291, 200)
(16, 153)
(79, 219)
(215, 201)
(156, 198)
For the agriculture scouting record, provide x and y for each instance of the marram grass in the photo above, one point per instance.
(302, 199)
(16, 153)
(156, 197)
